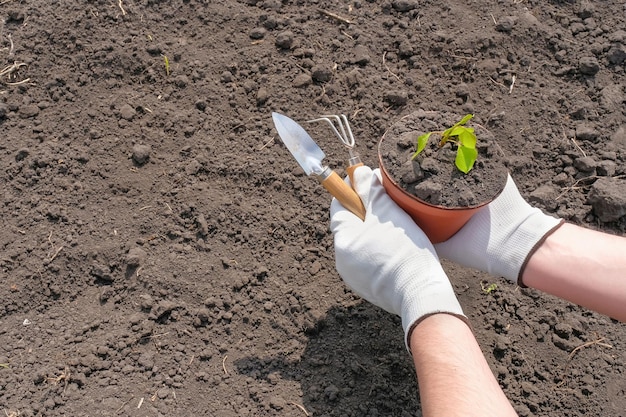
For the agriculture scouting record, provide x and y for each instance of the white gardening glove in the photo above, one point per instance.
(387, 259)
(501, 237)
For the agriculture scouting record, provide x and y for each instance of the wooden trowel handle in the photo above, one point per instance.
(342, 192)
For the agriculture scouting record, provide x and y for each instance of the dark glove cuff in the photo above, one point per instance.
(532, 252)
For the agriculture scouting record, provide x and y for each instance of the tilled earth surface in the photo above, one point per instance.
(162, 255)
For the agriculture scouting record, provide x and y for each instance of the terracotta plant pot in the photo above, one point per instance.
(439, 222)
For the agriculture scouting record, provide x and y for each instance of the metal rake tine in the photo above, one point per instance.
(347, 138)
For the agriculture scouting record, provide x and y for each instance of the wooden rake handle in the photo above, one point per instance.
(333, 183)
(351, 170)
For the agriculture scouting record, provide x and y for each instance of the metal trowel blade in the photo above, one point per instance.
(299, 143)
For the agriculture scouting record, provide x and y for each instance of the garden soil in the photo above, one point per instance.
(432, 176)
(161, 253)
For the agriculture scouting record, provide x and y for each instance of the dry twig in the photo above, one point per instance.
(119, 3)
(54, 251)
(266, 144)
(387, 67)
(124, 404)
(573, 141)
(12, 46)
(335, 16)
(512, 83)
(10, 69)
(63, 376)
(497, 83)
(578, 181)
(598, 342)
(306, 413)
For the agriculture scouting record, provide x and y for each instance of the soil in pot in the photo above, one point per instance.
(433, 177)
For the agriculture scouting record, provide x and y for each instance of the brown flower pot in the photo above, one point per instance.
(439, 222)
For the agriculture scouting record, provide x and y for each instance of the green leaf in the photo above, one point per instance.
(465, 158)
(422, 140)
(464, 120)
(467, 137)
(445, 136)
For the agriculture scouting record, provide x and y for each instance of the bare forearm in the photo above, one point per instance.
(583, 266)
(453, 376)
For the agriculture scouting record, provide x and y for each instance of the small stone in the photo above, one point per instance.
(506, 24)
(606, 168)
(141, 153)
(135, 257)
(201, 105)
(284, 40)
(404, 5)
(331, 392)
(587, 133)
(617, 54)
(545, 195)
(502, 344)
(361, 55)
(429, 191)
(608, 199)
(588, 65)
(396, 98)
(463, 91)
(258, 33)
(203, 225)
(22, 154)
(101, 272)
(585, 164)
(226, 77)
(586, 10)
(563, 330)
(28, 111)
(321, 73)
(406, 48)
(127, 112)
(278, 403)
(146, 360)
(249, 86)
(162, 393)
(146, 302)
(302, 80)
(563, 344)
(316, 267)
(262, 95)
(268, 306)
(181, 81)
(4, 110)
(154, 50)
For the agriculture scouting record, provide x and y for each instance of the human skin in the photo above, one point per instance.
(583, 266)
(580, 265)
(452, 372)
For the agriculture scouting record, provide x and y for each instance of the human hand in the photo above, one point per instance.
(386, 258)
(501, 237)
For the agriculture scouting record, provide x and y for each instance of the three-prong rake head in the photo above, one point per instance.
(344, 133)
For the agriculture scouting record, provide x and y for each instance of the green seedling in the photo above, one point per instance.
(167, 65)
(465, 139)
(488, 289)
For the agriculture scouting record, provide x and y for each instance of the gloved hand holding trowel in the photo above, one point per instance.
(386, 258)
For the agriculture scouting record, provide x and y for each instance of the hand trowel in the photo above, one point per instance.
(310, 157)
